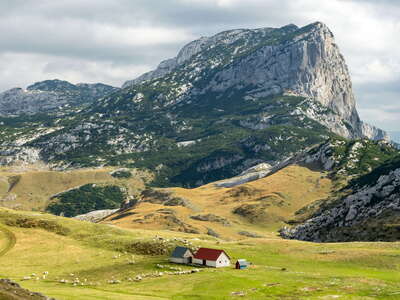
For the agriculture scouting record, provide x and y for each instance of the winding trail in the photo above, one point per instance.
(11, 240)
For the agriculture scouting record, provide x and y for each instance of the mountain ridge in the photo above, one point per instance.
(224, 104)
(50, 96)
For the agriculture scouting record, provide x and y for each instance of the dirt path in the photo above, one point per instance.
(10, 240)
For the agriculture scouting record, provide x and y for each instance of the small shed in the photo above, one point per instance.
(241, 264)
(181, 255)
(212, 258)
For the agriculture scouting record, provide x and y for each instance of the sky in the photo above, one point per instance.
(114, 41)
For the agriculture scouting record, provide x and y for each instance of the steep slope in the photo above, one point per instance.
(367, 209)
(224, 104)
(50, 96)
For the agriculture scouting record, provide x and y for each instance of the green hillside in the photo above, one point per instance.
(102, 262)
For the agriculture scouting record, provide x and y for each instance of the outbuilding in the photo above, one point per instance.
(181, 255)
(241, 264)
(212, 258)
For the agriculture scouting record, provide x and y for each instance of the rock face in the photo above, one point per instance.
(370, 213)
(50, 96)
(307, 63)
(96, 215)
(367, 208)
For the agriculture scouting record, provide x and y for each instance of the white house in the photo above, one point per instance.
(211, 257)
(181, 255)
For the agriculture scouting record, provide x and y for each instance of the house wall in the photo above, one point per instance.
(179, 260)
(222, 261)
(197, 261)
(188, 254)
(182, 260)
(211, 263)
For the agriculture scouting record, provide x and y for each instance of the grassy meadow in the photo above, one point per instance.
(98, 253)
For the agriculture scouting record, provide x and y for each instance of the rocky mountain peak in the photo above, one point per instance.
(196, 46)
(50, 96)
(303, 62)
(54, 85)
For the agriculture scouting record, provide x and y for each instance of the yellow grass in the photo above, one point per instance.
(34, 187)
(284, 193)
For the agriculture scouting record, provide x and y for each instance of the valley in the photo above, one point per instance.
(248, 141)
(282, 269)
(125, 255)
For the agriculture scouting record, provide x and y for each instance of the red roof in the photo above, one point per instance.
(209, 254)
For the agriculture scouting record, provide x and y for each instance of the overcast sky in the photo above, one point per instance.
(111, 41)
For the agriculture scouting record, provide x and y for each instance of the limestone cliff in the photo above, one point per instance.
(290, 60)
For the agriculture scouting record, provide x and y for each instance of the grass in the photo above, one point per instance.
(282, 269)
(275, 199)
(34, 187)
(33, 242)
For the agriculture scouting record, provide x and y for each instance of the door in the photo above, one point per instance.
(189, 260)
(204, 262)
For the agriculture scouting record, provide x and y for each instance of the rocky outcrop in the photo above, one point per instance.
(251, 174)
(373, 132)
(369, 213)
(10, 290)
(50, 96)
(96, 215)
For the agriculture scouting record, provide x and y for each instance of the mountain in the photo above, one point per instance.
(224, 104)
(303, 62)
(50, 96)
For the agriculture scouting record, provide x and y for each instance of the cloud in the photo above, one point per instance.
(23, 69)
(113, 41)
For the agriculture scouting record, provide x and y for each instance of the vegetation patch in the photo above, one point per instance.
(211, 218)
(250, 234)
(164, 197)
(13, 181)
(243, 191)
(212, 232)
(150, 247)
(123, 215)
(37, 223)
(121, 173)
(252, 212)
(87, 198)
(166, 218)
